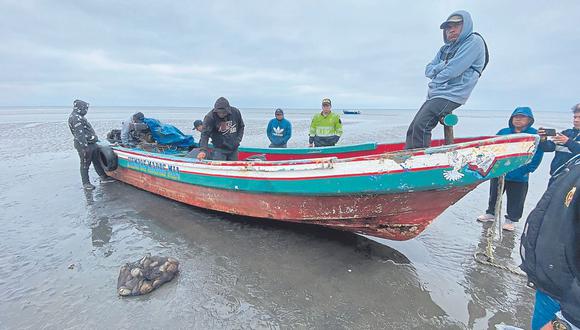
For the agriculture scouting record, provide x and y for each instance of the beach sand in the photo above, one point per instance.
(238, 272)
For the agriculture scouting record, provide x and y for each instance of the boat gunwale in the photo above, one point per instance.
(496, 140)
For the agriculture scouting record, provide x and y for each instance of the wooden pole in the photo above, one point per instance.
(448, 133)
(448, 121)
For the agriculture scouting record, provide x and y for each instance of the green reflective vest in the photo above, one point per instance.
(326, 126)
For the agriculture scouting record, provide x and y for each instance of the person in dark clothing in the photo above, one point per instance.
(85, 140)
(279, 130)
(128, 132)
(225, 126)
(454, 72)
(566, 144)
(198, 125)
(516, 181)
(550, 251)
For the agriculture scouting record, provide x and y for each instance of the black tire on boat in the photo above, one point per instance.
(107, 158)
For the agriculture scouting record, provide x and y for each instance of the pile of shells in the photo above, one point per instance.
(146, 275)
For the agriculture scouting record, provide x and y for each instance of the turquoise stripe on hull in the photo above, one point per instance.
(371, 184)
(318, 151)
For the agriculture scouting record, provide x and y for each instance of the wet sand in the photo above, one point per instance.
(237, 272)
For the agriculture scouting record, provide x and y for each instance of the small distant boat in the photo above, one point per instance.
(351, 112)
(373, 189)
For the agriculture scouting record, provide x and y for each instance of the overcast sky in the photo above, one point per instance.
(362, 54)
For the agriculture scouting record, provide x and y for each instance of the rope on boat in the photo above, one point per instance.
(487, 258)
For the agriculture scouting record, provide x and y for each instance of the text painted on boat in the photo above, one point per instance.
(154, 167)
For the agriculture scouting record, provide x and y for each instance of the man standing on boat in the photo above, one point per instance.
(85, 142)
(326, 127)
(279, 130)
(225, 126)
(454, 72)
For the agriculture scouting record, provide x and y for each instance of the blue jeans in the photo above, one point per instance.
(545, 309)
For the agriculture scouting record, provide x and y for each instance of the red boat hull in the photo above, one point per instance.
(400, 216)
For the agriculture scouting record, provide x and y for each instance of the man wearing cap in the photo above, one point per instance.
(326, 127)
(279, 130)
(85, 142)
(454, 72)
(128, 137)
(198, 125)
(225, 126)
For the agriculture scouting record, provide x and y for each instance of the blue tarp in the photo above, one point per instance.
(168, 134)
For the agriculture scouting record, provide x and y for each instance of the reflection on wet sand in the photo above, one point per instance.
(494, 292)
(295, 274)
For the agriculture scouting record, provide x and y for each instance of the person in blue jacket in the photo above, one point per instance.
(279, 130)
(454, 72)
(516, 181)
(566, 144)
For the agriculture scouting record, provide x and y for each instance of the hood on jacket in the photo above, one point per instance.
(80, 107)
(467, 26)
(222, 103)
(526, 111)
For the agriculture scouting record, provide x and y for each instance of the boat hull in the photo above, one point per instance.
(399, 216)
(393, 195)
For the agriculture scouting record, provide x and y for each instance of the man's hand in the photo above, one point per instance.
(541, 131)
(201, 155)
(542, 134)
(560, 139)
(310, 145)
(548, 326)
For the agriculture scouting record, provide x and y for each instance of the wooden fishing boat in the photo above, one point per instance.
(351, 112)
(374, 189)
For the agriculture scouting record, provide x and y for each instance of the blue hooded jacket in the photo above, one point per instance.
(454, 71)
(521, 174)
(279, 131)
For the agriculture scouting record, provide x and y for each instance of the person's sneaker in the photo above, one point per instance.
(88, 186)
(509, 225)
(106, 179)
(486, 218)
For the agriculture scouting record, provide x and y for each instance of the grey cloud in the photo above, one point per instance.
(291, 53)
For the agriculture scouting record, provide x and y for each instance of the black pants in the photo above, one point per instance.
(87, 155)
(223, 154)
(516, 196)
(419, 132)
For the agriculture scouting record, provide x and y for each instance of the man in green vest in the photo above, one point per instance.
(326, 127)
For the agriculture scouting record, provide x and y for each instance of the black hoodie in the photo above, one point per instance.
(550, 244)
(226, 133)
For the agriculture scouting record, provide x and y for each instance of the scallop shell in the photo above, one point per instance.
(136, 272)
(123, 291)
(172, 268)
(146, 287)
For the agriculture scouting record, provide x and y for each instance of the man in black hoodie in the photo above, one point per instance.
(85, 142)
(550, 251)
(225, 126)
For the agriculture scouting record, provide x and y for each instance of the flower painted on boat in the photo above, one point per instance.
(457, 161)
(452, 175)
